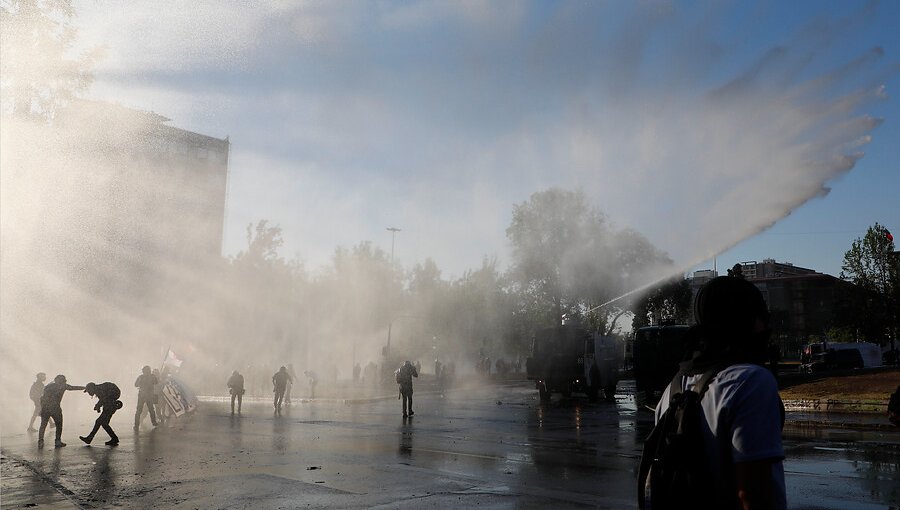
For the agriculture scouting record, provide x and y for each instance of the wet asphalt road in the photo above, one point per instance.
(494, 448)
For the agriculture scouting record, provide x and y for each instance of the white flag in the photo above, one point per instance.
(172, 360)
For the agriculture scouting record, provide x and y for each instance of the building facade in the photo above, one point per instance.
(803, 303)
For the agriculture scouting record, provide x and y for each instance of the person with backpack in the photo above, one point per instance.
(717, 439)
(107, 404)
(404, 377)
(236, 388)
(279, 382)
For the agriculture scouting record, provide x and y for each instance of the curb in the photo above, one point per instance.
(802, 424)
(834, 405)
(65, 497)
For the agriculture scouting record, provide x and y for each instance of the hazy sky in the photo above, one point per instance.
(696, 123)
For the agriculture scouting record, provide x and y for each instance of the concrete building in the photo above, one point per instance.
(167, 185)
(804, 303)
(112, 232)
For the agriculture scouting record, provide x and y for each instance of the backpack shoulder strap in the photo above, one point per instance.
(651, 443)
(703, 383)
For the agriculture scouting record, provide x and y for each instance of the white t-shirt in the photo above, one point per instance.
(742, 408)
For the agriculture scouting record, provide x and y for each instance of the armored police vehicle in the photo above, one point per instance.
(569, 359)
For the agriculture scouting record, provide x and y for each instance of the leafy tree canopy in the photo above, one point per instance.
(39, 71)
(567, 259)
(670, 301)
(873, 266)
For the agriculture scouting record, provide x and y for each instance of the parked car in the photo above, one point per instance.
(832, 359)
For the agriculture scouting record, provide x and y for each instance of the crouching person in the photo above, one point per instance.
(107, 404)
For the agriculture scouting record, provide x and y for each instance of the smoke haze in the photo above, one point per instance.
(435, 117)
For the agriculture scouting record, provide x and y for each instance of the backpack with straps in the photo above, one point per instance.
(674, 470)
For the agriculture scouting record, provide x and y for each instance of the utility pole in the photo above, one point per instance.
(393, 231)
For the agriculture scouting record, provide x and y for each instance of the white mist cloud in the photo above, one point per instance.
(697, 127)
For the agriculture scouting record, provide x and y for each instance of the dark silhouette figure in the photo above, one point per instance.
(236, 388)
(51, 408)
(894, 407)
(404, 378)
(146, 385)
(37, 389)
(313, 380)
(290, 384)
(280, 381)
(107, 404)
(356, 371)
(741, 415)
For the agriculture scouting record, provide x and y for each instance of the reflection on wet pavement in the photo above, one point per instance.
(497, 447)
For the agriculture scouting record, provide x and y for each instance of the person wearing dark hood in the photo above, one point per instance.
(280, 381)
(290, 384)
(37, 389)
(51, 408)
(236, 388)
(312, 378)
(146, 385)
(741, 406)
(107, 404)
(404, 379)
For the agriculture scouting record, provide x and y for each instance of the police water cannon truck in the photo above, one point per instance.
(569, 359)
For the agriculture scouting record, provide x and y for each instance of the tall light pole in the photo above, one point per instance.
(393, 231)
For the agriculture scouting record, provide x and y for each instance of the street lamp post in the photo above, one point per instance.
(393, 231)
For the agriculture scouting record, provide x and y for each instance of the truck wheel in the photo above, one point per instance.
(544, 394)
(609, 393)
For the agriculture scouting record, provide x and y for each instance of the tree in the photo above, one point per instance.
(36, 63)
(873, 266)
(263, 243)
(546, 232)
(567, 260)
(475, 312)
(670, 301)
(262, 300)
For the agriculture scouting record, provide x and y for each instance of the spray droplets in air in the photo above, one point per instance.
(696, 128)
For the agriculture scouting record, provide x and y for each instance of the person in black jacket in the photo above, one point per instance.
(146, 384)
(236, 388)
(280, 381)
(404, 378)
(107, 404)
(51, 407)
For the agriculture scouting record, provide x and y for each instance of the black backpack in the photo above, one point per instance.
(674, 470)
